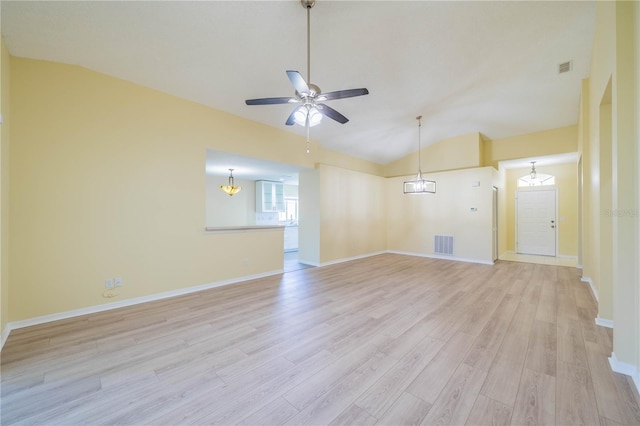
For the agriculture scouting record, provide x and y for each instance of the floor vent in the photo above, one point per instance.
(443, 244)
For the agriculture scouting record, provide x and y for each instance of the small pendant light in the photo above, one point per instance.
(419, 185)
(230, 189)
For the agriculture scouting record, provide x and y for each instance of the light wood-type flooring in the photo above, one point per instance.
(387, 340)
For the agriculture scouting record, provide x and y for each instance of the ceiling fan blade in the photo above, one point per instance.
(327, 111)
(291, 118)
(270, 101)
(298, 82)
(340, 94)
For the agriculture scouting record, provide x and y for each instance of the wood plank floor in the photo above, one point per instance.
(387, 340)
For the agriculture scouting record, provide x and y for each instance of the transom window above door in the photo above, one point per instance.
(540, 179)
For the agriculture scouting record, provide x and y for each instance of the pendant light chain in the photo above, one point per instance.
(419, 185)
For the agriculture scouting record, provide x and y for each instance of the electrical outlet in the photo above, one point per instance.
(245, 262)
(118, 281)
(108, 283)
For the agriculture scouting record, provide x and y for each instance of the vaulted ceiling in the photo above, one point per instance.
(489, 67)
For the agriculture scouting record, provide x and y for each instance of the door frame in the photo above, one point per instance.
(538, 188)
(495, 225)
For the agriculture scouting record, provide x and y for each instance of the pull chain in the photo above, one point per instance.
(308, 131)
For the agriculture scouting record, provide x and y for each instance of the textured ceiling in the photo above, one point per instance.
(489, 67)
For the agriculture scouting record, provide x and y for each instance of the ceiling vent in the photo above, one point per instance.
(565, 67)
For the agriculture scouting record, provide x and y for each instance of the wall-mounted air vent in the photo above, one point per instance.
(565, 67)
(443, 244)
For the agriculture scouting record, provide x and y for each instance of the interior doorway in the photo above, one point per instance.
(536, 222)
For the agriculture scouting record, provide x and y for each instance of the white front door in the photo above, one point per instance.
(536, 222)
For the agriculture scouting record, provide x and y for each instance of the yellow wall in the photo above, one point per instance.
(636, 37)
(107, 180)
(567, 186)
(460, 152)
(413, 220)
(609, 141)
(549, 142)
(4, 182)
(353, 213)
(626, 278)
(500, 182)
(332, 158)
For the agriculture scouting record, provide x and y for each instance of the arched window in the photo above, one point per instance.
(536, 179)
(540, 180)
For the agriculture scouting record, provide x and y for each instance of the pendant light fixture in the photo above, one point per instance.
(419, 185)
(230, 189)
(533, 172)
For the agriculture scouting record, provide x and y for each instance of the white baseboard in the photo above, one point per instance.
(129, 302)
(604, 322)
(567, 256)
(435, 256)
(406, 253)
(626, 369)
(594, 291)
(349, 259)
(5, 335)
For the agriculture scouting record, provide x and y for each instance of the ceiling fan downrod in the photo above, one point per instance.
(311, 107)
(308, 4)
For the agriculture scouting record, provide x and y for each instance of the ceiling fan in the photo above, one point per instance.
(311, 98)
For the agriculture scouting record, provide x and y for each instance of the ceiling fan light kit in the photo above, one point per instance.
(303, 112)
(311, 111)
(419, 185)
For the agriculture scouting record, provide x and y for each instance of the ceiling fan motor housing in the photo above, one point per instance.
(308, 4)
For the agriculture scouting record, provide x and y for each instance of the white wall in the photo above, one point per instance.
(413, 220)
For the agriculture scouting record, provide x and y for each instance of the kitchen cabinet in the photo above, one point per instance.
(269, 196)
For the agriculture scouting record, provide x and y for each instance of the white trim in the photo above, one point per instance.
(625, 368)
(435, 256)
(129, 302)
(253, 228)
(579, 266)
(594, 290)
(5, 335)
(348, 259)
(602, 322)
(406, 253)
(567, 256)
